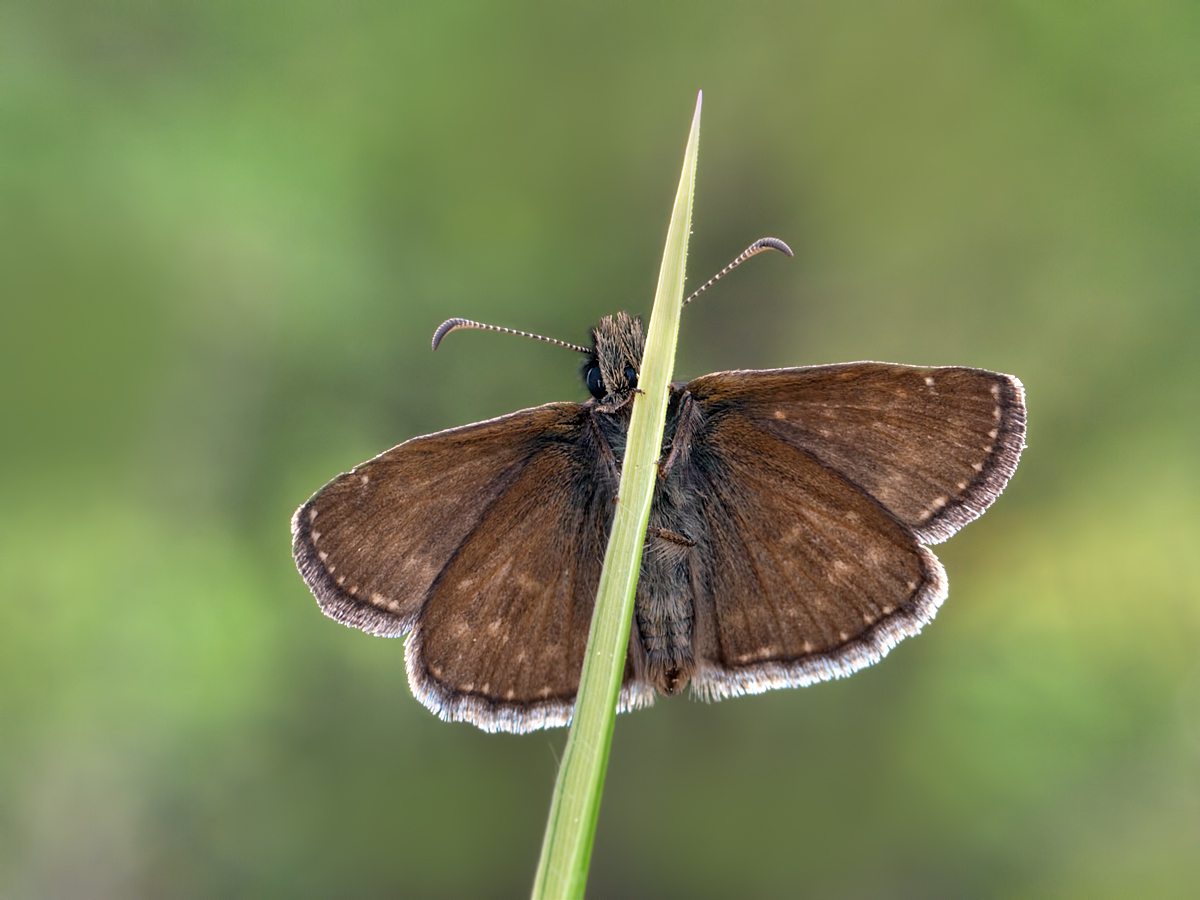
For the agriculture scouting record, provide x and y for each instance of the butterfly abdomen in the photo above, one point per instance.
(664, 611)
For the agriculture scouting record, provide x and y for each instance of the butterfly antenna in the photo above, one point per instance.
(454, 324)
(767, 243)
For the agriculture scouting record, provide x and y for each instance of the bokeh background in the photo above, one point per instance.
(227, 232)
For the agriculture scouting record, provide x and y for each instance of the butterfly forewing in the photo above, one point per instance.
(808, 577)
(372, 542)
(934, 446)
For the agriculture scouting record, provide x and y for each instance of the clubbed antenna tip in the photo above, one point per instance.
(767, 243)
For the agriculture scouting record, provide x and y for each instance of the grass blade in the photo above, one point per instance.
(567, 846)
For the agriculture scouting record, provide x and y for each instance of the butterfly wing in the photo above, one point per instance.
(820, 486)
(486, 543)
(806, 577)
(502, 637)
(934, 446)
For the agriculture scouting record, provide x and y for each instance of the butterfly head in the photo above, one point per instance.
(611, 369)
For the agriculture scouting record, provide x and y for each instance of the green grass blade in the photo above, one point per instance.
(567, 847)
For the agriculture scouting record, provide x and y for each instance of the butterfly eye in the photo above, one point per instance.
(595, 383)
(631, 376)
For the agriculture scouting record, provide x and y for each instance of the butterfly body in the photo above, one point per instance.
(786, 539)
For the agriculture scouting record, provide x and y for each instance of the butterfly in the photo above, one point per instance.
(787, 540)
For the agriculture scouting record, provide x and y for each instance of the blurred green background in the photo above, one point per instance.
(227, 232)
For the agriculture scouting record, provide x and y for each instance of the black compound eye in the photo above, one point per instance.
(595, 383)
(631, 376)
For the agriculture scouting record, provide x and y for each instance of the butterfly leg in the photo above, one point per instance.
(670, 536)
(689, 420)
(617, 407)
(606, 452)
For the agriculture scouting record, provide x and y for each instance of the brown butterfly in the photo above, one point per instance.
(785, 545)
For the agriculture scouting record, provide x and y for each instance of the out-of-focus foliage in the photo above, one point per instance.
(227, 232)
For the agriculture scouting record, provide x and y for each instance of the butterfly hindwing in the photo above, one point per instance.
(807, 577)
(501, 639)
